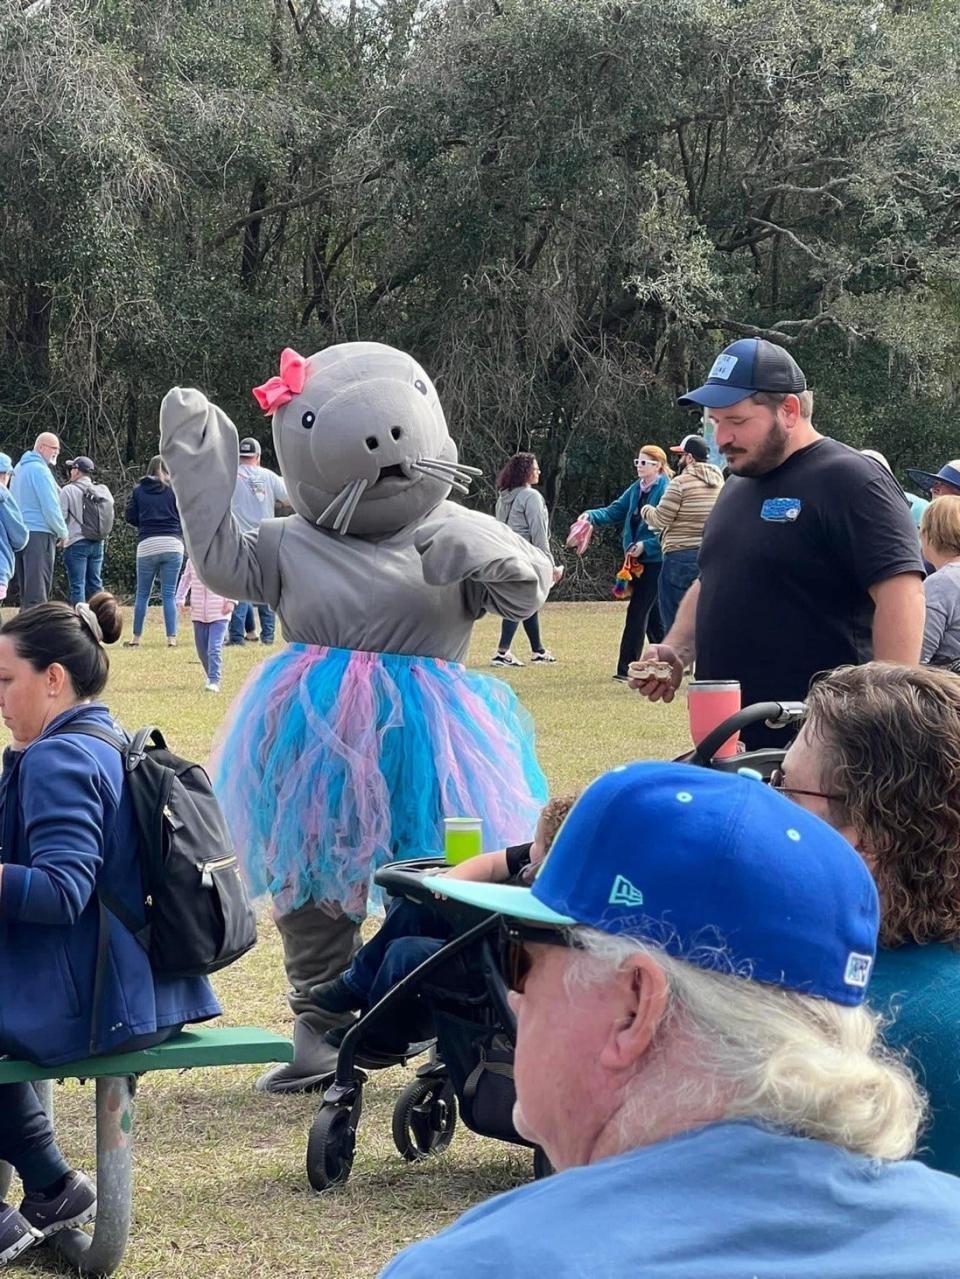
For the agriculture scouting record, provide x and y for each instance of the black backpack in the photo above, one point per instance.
(97, 512)
(198, 915)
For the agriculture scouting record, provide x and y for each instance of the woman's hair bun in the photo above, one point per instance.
(108, 614)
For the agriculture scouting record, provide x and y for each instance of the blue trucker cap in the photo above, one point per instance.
(718, 870)
(746, 366)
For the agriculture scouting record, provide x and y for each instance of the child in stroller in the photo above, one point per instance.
(412, 932)
(460, 988)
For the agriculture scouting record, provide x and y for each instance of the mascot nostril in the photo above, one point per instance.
(350, 746)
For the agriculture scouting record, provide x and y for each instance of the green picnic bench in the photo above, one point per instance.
(116, 1076)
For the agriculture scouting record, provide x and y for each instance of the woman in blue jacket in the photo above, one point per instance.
(152, 510)
(641, 543)
(67, 831)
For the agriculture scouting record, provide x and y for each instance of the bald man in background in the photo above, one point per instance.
(38, 497)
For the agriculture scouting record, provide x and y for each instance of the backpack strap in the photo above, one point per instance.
(107, 904)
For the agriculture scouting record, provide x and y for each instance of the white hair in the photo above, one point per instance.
(796, 1062)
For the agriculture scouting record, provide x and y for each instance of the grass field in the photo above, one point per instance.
(221, 1188)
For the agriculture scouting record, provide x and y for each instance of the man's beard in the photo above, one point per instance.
(768, 455)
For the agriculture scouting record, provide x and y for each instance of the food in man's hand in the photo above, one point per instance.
(647, 669)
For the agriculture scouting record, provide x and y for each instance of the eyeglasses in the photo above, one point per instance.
(778, 782)
(645, 461)
(515, 960)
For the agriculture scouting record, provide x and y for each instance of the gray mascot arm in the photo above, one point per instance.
(499, 571)
(198, 442)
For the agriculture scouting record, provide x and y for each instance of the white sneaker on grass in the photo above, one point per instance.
(211, 687)
(543, 656)
(505, 659)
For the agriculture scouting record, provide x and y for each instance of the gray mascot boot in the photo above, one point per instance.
(316, 948)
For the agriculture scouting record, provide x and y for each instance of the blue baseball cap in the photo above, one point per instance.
(949, 474)
(5, 463)
(718, 870)
(743, 367)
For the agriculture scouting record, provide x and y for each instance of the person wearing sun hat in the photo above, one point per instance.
(679, 518)
(809, 558)
(13, 531)
(694, 1055)
(945, 483)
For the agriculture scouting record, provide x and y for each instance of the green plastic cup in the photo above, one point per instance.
(462, 838)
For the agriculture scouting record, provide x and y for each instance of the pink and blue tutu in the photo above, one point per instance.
(334, 762)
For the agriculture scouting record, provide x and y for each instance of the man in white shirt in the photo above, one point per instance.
(257, 492)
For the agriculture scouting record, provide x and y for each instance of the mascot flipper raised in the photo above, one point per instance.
(349, 747)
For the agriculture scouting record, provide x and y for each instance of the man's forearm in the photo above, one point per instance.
(898, 616)
(682, 635)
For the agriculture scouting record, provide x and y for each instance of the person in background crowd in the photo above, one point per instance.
(152, 510)
(69, 833)
(83, 553)
(694, 1056)
(35, 491)
(946, 482)
(257, 492)
(13, 531)
(641, 545)
(809, 560)
(209, 613)
(917, 504)
(679, 518)
(878, 758)
(522, 508)
(940, 542)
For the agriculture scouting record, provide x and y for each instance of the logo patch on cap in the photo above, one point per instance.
(623, 893)
(858, 969)
(723, 366)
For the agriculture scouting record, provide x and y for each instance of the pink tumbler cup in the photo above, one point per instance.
(709, 703)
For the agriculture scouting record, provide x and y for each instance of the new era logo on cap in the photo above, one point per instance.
(623, 893)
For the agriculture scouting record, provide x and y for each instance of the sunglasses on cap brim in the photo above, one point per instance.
(515, 936)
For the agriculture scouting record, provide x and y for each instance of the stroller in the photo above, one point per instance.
(469, 1066)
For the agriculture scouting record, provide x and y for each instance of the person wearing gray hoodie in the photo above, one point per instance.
(522, 509)
(679, 518)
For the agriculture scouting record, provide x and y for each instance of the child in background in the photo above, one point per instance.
(210, 614)
(410, 933)
(13, 531)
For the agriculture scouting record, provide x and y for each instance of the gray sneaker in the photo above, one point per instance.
(75, 1205)
(16, 1234)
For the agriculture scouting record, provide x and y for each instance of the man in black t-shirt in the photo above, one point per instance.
(809, 558)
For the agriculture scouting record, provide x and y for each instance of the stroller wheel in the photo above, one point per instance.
(424, 1118)
(330, 1147)
(542, 1167)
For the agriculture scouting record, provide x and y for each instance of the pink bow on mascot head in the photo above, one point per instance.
(275, 393)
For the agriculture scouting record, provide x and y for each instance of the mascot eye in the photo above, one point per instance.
(308, 420)
(421, 386)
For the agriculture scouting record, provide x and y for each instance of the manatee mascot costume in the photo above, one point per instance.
(350, 746)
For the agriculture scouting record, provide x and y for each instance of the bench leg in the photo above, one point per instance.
(44, 1090)
(101, 1252)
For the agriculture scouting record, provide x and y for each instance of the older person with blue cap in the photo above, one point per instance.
(694, 1055)
(809, 558)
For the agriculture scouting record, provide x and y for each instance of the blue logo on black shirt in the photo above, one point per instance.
(781, 510)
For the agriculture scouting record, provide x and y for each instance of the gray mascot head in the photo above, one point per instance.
(361, 438)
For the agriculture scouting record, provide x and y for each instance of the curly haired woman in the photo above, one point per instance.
(521, 508)
(879, 759)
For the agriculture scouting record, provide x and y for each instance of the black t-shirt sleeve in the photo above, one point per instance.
(872, 529)
(518, 858)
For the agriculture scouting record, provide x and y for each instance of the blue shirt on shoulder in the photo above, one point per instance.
(918, 988)
(729, 1201)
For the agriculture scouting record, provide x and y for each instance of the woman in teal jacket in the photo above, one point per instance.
(67, 830)
(641, 543)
